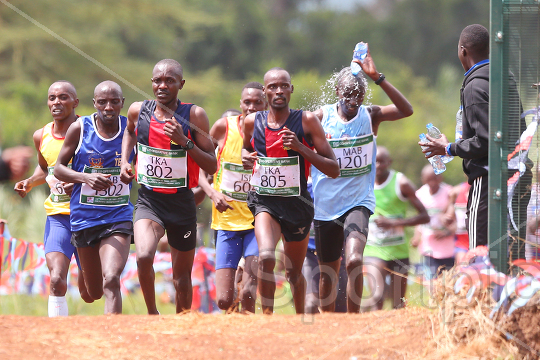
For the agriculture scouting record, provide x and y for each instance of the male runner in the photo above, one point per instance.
(282, 141)
(62, 101)
(101, 216)
(387, 249)
(230, 214)
(343, 205)
(172, 143)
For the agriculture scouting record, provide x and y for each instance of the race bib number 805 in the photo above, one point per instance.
(277, 176)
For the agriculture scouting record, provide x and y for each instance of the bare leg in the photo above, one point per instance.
(147, 235)
(91, 269)
(225, 288)
(268, 233)
(328, 284)
(295, 253)
(354, 252)
(113, 252)
(248, 293)
(376, 279)
(58, 265)
(82, 288)
(182, 263)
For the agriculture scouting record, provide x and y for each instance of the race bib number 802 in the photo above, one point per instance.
(162, 168)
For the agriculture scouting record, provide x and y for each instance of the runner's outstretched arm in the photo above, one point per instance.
(128, 143)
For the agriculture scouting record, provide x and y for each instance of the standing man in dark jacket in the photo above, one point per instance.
(473, 52)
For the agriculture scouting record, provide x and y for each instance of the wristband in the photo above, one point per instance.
(447, 149)
(380, 79)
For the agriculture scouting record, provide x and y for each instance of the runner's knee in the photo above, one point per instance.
(267, 261)
(111, 283)
(145, 260)
(182, 281)
(58, 285)
(354, 261)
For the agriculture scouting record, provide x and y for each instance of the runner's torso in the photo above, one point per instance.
(98, 154)
(58, 201)
(232, 180)
(354, 145)
(388, 244)
(279, 172)
(163, 166)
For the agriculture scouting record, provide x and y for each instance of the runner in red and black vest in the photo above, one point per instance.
(278, 145)
(172, 143)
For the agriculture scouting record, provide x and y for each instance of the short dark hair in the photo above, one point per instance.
(253, 85)
(475, 38)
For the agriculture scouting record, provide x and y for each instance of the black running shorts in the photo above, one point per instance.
(93, 235)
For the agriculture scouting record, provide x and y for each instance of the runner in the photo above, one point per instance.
(172, 142)
(62, 101)
(343, 205)
(282, 141)
(230, 214)
(101, 217)
(457, 209)
(387, 248)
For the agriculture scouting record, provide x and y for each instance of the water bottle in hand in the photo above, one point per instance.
(435, 161)
(436, 134)
(359, 53)
(459, 124)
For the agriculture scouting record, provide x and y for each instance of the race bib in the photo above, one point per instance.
(58, 194)
(235, 181)
(384, 237)
(277, 176)
(354, 155)
(161, 168)
(116, 195)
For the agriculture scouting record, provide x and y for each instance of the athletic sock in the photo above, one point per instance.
(57, 306)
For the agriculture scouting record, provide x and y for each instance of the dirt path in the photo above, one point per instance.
(400, 334)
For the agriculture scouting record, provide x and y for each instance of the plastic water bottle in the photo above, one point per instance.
(436, 133)
(359, 53)
(459, 124)
(435, 161)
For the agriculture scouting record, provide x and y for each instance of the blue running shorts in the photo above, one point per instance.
(232, 245)
(58, 236)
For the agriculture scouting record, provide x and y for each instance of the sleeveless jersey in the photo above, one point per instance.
(167, 167)
(97, 154)
(435, 205)
(388, 244)
(355, 147)
(232, 180)
(462, 237)
(268, 143)
(58, 201)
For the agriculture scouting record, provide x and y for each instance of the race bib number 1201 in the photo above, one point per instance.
(116, 195)
(354, 155)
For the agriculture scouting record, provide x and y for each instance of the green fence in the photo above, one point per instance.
(514, 69)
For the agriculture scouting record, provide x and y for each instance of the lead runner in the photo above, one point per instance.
(278, 144)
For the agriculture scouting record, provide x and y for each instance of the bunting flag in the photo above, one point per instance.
(23, 270)
(518, 158)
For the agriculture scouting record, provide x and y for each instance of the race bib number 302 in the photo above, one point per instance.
(277, 176)
(354, 155)
(162, 168)
(235, 181)
(116, 195)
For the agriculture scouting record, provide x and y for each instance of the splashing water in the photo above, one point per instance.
(314, 101)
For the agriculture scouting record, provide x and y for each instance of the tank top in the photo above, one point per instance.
(232, 180)
(286, 176)
(355, 147)
(388, 244)
(163, 166)
(58, 201)
(435, 205)
(97, 154)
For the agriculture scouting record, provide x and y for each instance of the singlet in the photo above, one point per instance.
(97, 154)
(58, 201)
(232, 180)
(460, 206)
(388, 244)
(355, 147)
(163, 166)
(288, 175)
(435, 205)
